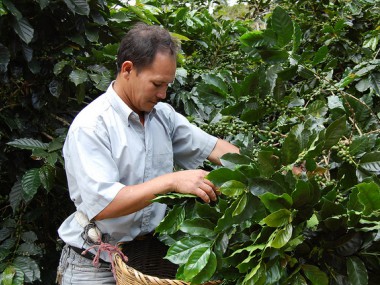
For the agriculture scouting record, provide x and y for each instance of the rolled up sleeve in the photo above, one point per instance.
(92, 174)
(191, 145)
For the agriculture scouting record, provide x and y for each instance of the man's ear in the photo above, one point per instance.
(126, 68)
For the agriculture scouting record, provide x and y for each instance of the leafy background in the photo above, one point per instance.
(296, 84)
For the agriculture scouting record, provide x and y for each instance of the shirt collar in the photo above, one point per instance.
(120, 107)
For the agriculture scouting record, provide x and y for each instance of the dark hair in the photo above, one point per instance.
(141, 44)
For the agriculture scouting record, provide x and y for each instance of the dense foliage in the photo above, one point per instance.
(55, 57)
(301, 204)
(296, 84)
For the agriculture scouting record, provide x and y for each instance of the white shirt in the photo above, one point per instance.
(107, 148)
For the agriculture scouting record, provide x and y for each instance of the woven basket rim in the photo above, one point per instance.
(123, 271)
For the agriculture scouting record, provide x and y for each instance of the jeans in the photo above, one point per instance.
(75, 269)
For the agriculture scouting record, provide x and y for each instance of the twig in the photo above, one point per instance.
(47, 135)
(9, 106)
(60, 119)
(356, 126)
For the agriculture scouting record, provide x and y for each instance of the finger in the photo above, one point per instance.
(210, 191)
(203, 195)
(208, 182)
(215, 188)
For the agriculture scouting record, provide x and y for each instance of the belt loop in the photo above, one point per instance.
(62, 264)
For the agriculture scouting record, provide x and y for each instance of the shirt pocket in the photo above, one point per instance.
(163, 162)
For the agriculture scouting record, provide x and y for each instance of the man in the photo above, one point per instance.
(120, 152)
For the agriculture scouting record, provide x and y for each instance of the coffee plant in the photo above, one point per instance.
(301, 203)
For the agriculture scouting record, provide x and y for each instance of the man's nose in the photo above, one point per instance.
(161, 94)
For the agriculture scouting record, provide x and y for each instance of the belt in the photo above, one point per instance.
(148, 236)
(87, 255)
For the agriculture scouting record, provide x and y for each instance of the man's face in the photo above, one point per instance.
(148, 86)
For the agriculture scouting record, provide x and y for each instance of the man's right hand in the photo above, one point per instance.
(194, 182)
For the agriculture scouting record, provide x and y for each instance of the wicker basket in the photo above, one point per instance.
(146, 265)
(126, 275)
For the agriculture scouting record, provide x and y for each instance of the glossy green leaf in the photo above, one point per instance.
(361, 71)
(173, 198)
(78, 76)
(12, 9)
(30, 183)
(362, 144)
(256, 276)
(241, 205)
(321, 55)
(290, 149)
(19, 278)
(330, 209)
(232, 159)
(172, 221)
(362, 112)
(251, 260)
(375, 82)
(297, 35)
(29, 249)
(276, 202)
(207, 272)
(315, 275)
(282, 25)
(254, 212)
(80, 7)
(259, 186)
(363, 85)
(180, 37)
(222, 175)
(273, 56)
(317, 109)
(29, 267)
(282, 236)
(4, 233)
(28, 53)
(15, 196)
(120, 17)
(180, 251)
(251, 248)
(43, 3)
(304, 194)
(232, 188)
(279, 218)
(7, 275)
(356, 271)
(253, 38)
(29, 236)
(298, 279)
(253, 114)
(266, 161)
(24, 30)
(217, 82)
(47, 177)
(206, 211)
(4, 58)
(371, 162)
(92, 34)
(369, 197)
(59, 66)
(196, 262)
(335, 102)
(353, 202)
(198, 227)
(26, 143)
(334, 132)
